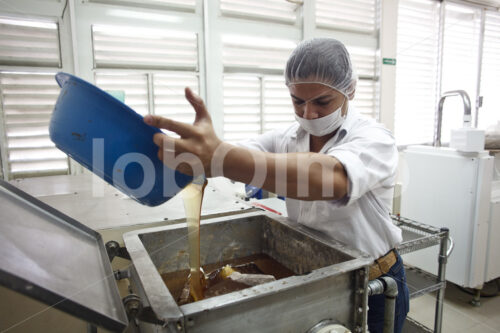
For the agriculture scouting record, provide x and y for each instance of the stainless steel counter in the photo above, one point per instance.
(75, 196)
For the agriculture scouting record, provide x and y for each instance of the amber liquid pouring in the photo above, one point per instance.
(192, 196)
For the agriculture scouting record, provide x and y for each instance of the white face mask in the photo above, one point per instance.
(324, 125)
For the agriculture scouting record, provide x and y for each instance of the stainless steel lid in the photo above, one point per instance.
(57, 260)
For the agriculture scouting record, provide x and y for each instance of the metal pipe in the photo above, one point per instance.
(387, 286)
(443, 258)
(467, 113)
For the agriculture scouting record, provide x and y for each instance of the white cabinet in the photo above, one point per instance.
(446, 188)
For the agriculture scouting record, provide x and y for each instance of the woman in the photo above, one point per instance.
(336, 168)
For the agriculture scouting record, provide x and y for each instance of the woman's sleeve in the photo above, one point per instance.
(370, 160)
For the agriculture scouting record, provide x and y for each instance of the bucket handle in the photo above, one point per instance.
(61, 78)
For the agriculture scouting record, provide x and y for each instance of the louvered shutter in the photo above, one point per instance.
(28, 100)
(29, 43)
(350, 15)
(460, 62)
(416, 70)
(276, 10)
(253, 54)
(169, 99)
(134, 86)
(363, 60)
(489, 114)
(127, 47)
(242, 107)
(277, 110)
(180, 4)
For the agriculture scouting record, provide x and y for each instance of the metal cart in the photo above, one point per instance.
(417, 236)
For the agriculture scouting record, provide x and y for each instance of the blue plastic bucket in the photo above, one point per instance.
(111, 140)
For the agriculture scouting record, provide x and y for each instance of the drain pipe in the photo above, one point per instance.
(387, 286)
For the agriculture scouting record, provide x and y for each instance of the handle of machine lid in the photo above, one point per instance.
(61, 78)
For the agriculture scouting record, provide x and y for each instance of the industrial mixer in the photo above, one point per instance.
(39, 246)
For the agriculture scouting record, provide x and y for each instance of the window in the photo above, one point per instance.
(186, 5)
(460, 62)
(359, 18)
(416, 70)
(350, 15)
(275, 10)
(365, 100)
(29, 43)
(169, 99)
(255, 54)
(277, 108)
(255, 103)
(423, 73)
(134, 87)
(489, 114)
(27, 103)
(132, 47)
(151, 68)
(28, 93)
(242, 107)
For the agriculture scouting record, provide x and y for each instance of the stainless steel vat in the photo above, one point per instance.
(330, 281)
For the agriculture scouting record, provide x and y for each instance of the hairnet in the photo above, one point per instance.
(322, 60)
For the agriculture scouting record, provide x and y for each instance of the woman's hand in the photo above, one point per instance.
(192, 153)
(305, 176)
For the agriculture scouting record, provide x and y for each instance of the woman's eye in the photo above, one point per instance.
(322, 103)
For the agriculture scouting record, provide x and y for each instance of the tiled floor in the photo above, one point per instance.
(458, 315)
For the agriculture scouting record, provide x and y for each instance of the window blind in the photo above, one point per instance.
(364, 100)
(134, 86)
(460, 62)
(489, 114)
(255, 54)
(277, 10)
(28, 100)
(169, 98)
(277, 109)
(179, 4)
(29, 43)
(131, 47)
(416, 71)
(350, 15)
(242, 106)
(363, 60)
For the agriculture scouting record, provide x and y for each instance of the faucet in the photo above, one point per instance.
(467, 114)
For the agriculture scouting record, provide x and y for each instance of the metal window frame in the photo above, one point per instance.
(4, 157)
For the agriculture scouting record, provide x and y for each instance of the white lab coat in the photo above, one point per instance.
(369, 155)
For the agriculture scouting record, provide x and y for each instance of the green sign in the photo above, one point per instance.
(389, 61)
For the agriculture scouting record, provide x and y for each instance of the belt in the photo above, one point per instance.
(382, 265)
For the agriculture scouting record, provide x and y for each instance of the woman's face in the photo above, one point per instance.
(314, 100)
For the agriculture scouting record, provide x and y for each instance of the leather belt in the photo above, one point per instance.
(382, 265)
